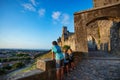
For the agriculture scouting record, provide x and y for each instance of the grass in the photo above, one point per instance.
(33, 66)
(47, 55)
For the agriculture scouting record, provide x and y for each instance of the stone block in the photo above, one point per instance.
(46, 64)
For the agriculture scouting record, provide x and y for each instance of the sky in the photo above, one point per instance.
(34, 24)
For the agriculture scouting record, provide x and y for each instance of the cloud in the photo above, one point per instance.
(41, 12)
(65, 19)
(29, 7)
(33, 2)
(59, 17)
(56, 15)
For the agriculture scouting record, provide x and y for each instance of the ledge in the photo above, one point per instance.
(45, 71)
(97, 8)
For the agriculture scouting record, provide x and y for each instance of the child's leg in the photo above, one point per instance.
(58, 72)
(67, 68)
(58, 75)
(62, 69)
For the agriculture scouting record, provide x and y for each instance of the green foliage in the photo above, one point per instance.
(22, 55)
(38, 55)
(33, 65)
(2, 71)
(7, 67)
(18, 65)
(4, 60)
(65, 47)
(14, 59)
(44, 56)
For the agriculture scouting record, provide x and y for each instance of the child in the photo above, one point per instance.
(66, 61)
(71, 59)
(58, 56)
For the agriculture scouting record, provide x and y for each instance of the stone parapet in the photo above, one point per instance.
(98, 8)
(45, 71)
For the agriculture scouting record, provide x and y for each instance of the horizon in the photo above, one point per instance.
(34, 24)
(25, 48)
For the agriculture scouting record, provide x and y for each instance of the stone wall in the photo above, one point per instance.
(46, 70)
(70, 41)
(104, 28)
(67, 38)
(97, 23)
(80, 33)
(115, 38)
(92, 32)
(100, 31)
(99, 3)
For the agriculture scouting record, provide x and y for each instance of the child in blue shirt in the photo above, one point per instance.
(58, 56)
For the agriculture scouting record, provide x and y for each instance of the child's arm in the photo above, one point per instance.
(53, 56)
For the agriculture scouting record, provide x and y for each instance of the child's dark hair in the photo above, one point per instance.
(54, 43)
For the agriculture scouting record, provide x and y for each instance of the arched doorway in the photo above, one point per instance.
(92, 46)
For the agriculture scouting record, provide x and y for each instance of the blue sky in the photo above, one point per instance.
(34, 24)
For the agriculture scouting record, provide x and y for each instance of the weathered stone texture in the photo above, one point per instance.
(97, 23)
(99, 3)
(67, 38)
(115, 38)
(46, 71)
(80, 34)
(45, 64)
(70, 41)
(104, 28)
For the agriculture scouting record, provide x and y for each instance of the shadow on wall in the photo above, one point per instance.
(104, 47)
(115, 38)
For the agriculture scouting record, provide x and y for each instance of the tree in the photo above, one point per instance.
(2, 71)
(18, 65)
(7, 67)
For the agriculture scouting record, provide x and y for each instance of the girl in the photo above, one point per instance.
(58, 56)
(66, 61)
(71, 60)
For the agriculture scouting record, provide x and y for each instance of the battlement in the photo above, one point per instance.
(99, 3)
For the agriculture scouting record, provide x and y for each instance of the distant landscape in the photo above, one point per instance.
(15, 59)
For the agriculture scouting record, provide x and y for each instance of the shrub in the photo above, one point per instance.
(2, 71)
(65, 47)
(18, 65)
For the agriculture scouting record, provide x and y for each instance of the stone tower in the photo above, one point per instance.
(100, 3)
(64, 33)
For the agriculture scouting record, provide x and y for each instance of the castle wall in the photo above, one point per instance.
(99, 3)
(115, 38)
(100, 31)
(104, 28)
(101, 20)
(80, 33)
(93, 31)
(70, 41)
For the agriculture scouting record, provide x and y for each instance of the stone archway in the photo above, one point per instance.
(107, 33)
(83, 19)
(92, 45)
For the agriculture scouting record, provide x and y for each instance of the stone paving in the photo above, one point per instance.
(96, 69)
